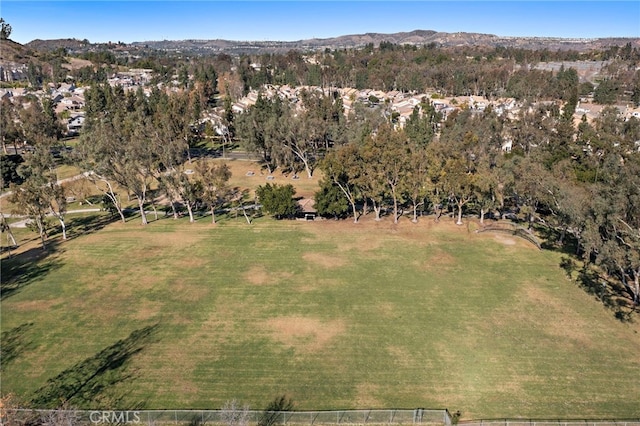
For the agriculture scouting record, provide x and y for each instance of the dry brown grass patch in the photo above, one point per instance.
(35, 305)
(188, 292)
(435, 258)
(305, 334)
(365, 395)
(401, 356)
(324, 260)
(146, 310)
(257, 275)
(386, 309)
(560, 320)
(504, 240)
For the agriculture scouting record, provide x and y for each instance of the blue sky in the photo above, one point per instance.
(127, 21)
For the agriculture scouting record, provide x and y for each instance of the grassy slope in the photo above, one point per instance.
(335, 315)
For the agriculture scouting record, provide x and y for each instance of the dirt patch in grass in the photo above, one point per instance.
(186, 292)
(401, 357)
(35, 305)
(347, 235)
(150, 240)
(306, 334)
(435, 259)
(558, 321)
(257, 275)
(365, 395)
(505, 240)
(146, 310)
(324, 260)
(190, 262)
(318, 283)
(386, 309)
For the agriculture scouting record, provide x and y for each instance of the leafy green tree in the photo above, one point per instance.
(388, 153)
(9, 167)
(97, 154)
(10, 129)
(416, 184)
(330, 200)
(39, 122)
(607, 92)
(40, 194)
(343, 167)
(278, 200)
(5, 29)
(214, 178)
(257, 128)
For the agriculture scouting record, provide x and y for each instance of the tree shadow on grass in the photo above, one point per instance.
(609, 292)
(89, 383)
(553, 240)
(13, 343)
(24, 268)
(79, 226)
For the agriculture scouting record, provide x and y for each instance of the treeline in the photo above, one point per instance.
(490, 72)
(499, 72)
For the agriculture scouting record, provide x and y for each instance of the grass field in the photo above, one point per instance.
(335, 315)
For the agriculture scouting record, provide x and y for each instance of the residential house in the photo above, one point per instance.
(75, 124)
(507, 145)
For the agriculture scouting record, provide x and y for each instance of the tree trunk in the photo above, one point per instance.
(415, 213)
(42, 232)
(190, 210)
(143, 215)
(563, 234)
(174, 210)
(636, 287)
(213, 215)
(64, 227)
(121, 213)
(351, 200)
(482, 216)
(6, 228)
(395, 207)
(438, 213)
(355, 211)
(377, 208)
(244, 212)
(112, 196)
(459, 221)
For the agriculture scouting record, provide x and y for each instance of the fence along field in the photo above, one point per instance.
(418, 416)
(249, 417)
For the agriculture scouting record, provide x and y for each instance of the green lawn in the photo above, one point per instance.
(335, 315)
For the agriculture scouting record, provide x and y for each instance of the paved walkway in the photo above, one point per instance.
(59, 182)
(23, 223)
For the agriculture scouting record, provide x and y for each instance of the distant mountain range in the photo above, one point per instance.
(417, 37)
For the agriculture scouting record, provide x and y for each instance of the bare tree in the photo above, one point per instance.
(232, 414)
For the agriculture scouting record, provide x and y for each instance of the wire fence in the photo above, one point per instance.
(534, 422)
(245, 417)
(21, 417)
